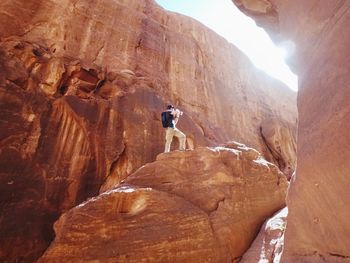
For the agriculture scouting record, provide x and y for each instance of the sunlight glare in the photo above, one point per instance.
(226, 20)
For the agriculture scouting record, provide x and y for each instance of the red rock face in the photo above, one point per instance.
(318, 227)
(162, 212)
(82, 85)
(268, 245)
(176, 54)
(276, 136)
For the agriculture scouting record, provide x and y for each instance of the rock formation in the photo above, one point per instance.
(268, 245)
(276, 134)
(82, 85)
(204, 205)
(318, 226)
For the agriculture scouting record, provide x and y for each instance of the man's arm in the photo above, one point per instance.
(175, 115)
(176, 119)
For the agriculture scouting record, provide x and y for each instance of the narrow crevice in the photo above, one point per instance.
(115, 163)
(37, 52)
(63, 89)
(17, 83)
(281, 164)
(324, 257)
(338, 255)
(99, 85)
(139, 44)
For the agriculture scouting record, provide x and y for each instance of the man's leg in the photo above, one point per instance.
(169, 133)
(182, 139)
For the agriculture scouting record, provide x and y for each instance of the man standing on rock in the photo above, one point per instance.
(169, 119)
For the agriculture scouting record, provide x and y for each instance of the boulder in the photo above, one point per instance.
(204, 205)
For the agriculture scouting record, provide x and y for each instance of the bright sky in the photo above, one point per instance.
(224, 18)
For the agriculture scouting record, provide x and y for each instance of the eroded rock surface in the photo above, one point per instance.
(82, 85)
(204, 205)
(268, 245)
(318, 227)
(276, 134)
(178, 55)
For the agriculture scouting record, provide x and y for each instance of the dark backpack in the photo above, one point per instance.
(165, 116)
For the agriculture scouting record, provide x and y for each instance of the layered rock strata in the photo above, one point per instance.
(82, 85)
(318, 227)
(204, 205)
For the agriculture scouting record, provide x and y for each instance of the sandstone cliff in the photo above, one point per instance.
(318, 226)
(82, 84)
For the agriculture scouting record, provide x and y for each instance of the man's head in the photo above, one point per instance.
(169, 107)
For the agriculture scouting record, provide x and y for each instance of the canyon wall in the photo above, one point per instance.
(82, 85)
(318, 226)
